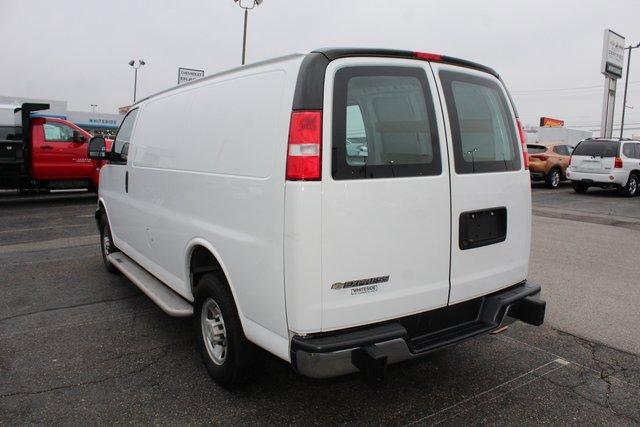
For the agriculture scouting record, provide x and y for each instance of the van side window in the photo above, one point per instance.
(483, 131)
(637, 156)
(384, 124)
(121, 143)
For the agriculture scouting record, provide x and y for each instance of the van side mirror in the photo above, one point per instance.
(97, 148)
(78, 137)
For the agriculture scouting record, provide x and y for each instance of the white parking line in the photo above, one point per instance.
(20, 230)
(50, 244)
(492, 394)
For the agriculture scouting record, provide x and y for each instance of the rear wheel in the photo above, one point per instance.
(228, 356)
(579, 187)
(631, 189)
(553, 179)
(106, 245)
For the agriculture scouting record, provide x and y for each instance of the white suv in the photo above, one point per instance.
(606, 163)
(341, 209)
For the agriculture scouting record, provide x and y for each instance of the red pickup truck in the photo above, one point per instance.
(43, 153)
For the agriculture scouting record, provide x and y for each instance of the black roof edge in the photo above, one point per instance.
(335, 53)
(310, 85)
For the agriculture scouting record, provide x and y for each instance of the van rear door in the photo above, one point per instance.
(385, 185)
(490, 189)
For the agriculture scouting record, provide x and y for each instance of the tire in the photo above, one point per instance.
(229, 357)
(631, 189)
(553, 179)
(106, 245)
(579, 187)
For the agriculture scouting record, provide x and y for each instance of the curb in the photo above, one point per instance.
(611, 220)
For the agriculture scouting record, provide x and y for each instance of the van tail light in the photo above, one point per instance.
(617, 163)
(569, 160)
(523, 142)
(305, 143)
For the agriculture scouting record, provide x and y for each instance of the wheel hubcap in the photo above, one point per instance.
(633, 186)
(555, 179)
(213, 331)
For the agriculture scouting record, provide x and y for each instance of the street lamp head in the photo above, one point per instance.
(250, 4)
(132, 62)
(141, 61)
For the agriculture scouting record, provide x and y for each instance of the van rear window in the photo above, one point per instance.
(597, 148)
(384, 124)
(483, 130)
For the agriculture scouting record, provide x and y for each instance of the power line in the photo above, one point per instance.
(563, 89)
(594, 124)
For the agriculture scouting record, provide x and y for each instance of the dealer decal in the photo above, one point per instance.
(364, 289)
(360, 282)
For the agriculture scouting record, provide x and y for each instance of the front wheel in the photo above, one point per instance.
(631, 189)
(106, 245)
(228, 356)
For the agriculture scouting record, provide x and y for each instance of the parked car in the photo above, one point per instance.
(240, 199)
(606, 163)
(549, 163)
(43, 153)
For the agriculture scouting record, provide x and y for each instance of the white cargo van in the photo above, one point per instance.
(341, 209)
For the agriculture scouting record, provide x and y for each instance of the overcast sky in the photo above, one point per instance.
(548, 51)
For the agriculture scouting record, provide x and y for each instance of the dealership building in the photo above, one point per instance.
(94, 122)
(553, 131)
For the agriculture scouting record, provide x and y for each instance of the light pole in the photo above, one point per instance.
(247, 6)
(136, 64)
(93, 107)
(626, 85)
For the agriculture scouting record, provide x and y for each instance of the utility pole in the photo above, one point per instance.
(136, 64)
(626, 85)
(252, 4)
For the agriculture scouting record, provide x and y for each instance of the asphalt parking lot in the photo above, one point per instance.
(78, 345)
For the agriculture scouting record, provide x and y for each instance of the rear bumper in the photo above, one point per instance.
(537, 171)
(361, 349)
(599, 179)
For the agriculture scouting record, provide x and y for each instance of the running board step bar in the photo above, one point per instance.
(169, 301)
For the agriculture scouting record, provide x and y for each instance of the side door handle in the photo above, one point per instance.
(126, 182)
(47, 147)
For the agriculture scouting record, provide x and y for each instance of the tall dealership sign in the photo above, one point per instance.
(185, 75)
(611, 67)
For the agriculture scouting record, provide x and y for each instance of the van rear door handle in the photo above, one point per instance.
(126, 182)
